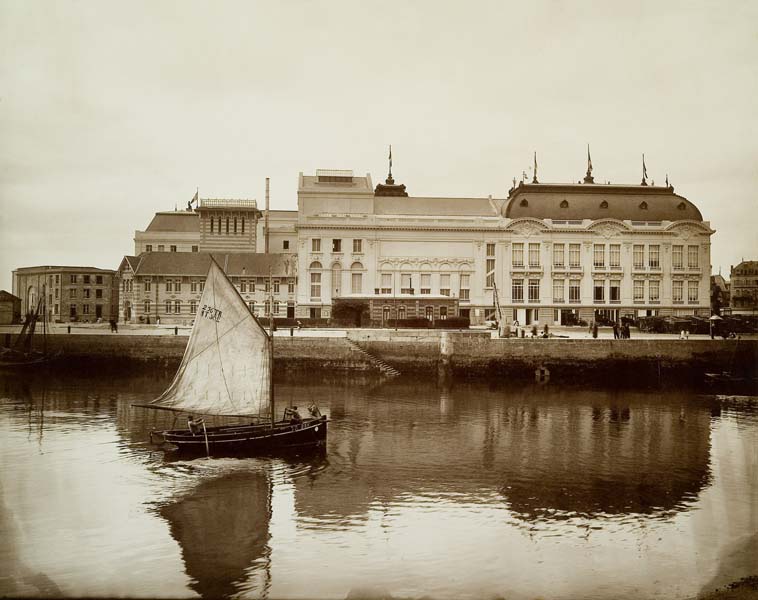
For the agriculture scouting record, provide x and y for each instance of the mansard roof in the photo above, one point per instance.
(179, 221)
(237, 264)
(599, 201)
(396, 205)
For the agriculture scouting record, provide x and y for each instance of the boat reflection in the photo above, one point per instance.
(222, 527)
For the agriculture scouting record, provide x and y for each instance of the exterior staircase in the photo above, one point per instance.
(386, 369)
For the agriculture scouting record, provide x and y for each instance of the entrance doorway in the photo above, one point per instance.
(606, 316)
(290, 310)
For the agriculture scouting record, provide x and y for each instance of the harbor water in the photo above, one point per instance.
(469, 490)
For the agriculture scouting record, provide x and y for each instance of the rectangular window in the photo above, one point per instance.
(172, 248)
(491, 250)
(243, 286)
(147, 307)
(615, 256)
(386, 283)
(85, 309)
(201, 285)
(677, 260)
(227, 225)
(654, 259)
(336, 245)
(235, 224)
(615, 292)
(98, 280)
(517, 290)
(161, 248)
(315, 286)
(426, 283)
(290, 287)
(534, 255)
(193, 286)
(575, 257)
(445, 284)
(654, 290)
(55, 309)
(517, 255)
(639, 290)
(195, 248)
(276, 286)
(575, 294)
(599, 291)
(86, 293)
(251, 306)
(243, 224)
(405, 283)
(692, 287)
(598, 256)
(169, 285)
(266, 308)
(285, 244)
(168, 306)
(86, 279)
(178, 286)
(72, 293)
(464, 286)
(57, 279)
(316, 245)
(558, 255)
(147, 284)
(72, 279)
(677, 291)
(276, 307)
(357, 246)
(356, 283)
(558, 286)
(98, 293)
(193, 307)
(490, 273)
(639, 256)
(56, 293)
(148, 247)
(692, 257)
(211, 224)
(534, 290)
(177, 306)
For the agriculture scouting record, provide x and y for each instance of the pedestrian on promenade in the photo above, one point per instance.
(616, 333)
(592, 326)
(626, 331)
(594, 330)
(534, 330)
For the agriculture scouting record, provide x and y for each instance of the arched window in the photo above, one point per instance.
(682, 206)
(336, 279)
(564, 204)
(643, 205)
(315, 272)
(356, 278)
(524, 202)
(604, 204)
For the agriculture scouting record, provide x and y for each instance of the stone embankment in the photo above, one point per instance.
(456, 354)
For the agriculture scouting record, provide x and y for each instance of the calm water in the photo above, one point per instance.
(466, 492)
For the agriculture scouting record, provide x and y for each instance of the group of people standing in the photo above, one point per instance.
(620, 331)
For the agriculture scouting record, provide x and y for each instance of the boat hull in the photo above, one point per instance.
(250, 439)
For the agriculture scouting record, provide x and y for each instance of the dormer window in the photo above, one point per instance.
(524, 202)
(564, 204)
(682, 206)
(604, 204)
(643, 205)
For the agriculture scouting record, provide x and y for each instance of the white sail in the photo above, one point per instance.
(226, 368)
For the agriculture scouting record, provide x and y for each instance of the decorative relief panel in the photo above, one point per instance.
(415, 262)
(527, 229)
(687, 231)
(607, 230)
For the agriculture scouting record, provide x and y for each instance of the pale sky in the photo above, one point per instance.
(110, 111)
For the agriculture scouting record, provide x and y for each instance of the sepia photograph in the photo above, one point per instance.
(359, 300)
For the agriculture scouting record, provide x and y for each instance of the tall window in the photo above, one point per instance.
(276, 307)
(443, 313)
(575, 257)
(148, 284)
(599, 291)
(534, 255)
(290, 286)
(243, 224)
(169, 285)
(517, 255)
(336, 245)
(72, 279)
(161, 248)
(177, 306)
(243, 286)
(464, 287)
(490, 266)
(654, 258)
(517, 290)
(692, 287)
(639, 290)
(178, 286)
(172, 248)
(227, 225)
(534, 290)
(677, 262)
(147, 307)
(599, 256)
(148, 247)
(615, 256)
(405, 283)
(357, 246)
(558, 285)
(677, 291)
(276, 286)
(235, 224)
(558, 252)
(356, 278)
(386, 283)
(316, 245)
(692, 257)
(445, 284)
(315, 280)
(193, 307)
(575, 294)
(168, 306)
(615, 292)
(72, 293)
(211, 224)
(195, 248)
(654, 290)
(639, 256)
(426, 283)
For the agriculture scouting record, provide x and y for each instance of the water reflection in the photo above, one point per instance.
(222, 527)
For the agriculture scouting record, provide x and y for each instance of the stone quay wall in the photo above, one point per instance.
(464, 354)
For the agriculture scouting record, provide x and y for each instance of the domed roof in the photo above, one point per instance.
(594, 201)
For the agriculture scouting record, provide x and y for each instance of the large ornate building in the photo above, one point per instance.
(548, 253)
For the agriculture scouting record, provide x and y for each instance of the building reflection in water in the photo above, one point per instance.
(542, 452)
(222, 527)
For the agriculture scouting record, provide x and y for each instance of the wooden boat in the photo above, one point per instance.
(22, 354)
(226, 371)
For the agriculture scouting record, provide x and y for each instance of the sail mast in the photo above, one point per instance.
(270, 313)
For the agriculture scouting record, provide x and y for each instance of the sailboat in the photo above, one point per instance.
(22, 354)
(227, 371)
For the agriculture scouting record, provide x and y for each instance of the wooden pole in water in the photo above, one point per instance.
(270, 313)
(205, 433)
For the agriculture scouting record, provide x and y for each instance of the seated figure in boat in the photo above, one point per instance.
(293, 416)
(194, 424)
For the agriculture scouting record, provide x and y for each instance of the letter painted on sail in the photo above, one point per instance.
(226, 368)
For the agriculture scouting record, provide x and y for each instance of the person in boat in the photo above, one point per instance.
(293, 416)
(314, 411)
(194, 424)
